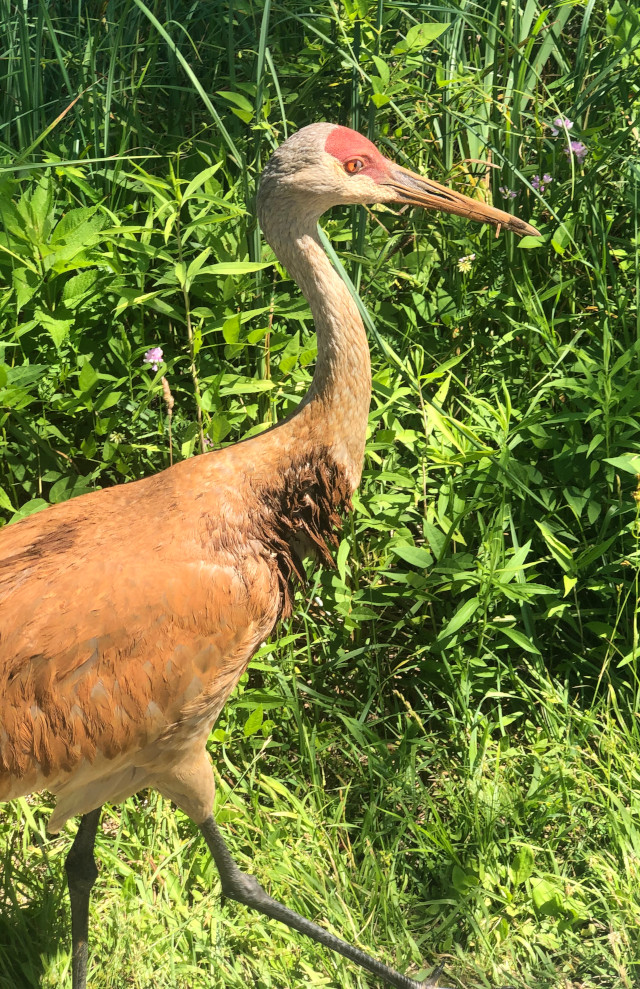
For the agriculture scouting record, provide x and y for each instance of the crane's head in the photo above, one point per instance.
(325, 165)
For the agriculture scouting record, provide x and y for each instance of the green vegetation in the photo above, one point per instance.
(440, 755)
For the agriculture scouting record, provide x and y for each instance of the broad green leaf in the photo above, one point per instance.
(5, 501)
(106, 400)
(265, 699)
(189, 441)
(241, 106)
(341, 559)
(31, 507)
(383, 69)
(576, 499)
(15, 398)
(78, 286)
(180, 271)
(631, 657)
(237, 98)
(200, 179)
(557, 548)
(530, 243)
(522, 865)
(68, 487)
(417, 556)
(58, 329)
(41, 210)
(234, 267)
(236, 384)
(436, 538)
(195, 266)
(287, 363)
(547, 898)
(87, 377)
(131, 297)
(25, 284)
(78, 227)
(563, 235)
(629, 462)
(254, 721)
(357, 9)
(231, 329)
(218, 429)
(421, 35)
(516, 562)
(463, 881)
(464, 614)
(520, 639)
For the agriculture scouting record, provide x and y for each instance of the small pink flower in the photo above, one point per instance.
(560, 124)
(153, 357)
(539, 184)
(578, 149)
(506, 192)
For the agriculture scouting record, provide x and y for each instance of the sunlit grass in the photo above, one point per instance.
(521, 867)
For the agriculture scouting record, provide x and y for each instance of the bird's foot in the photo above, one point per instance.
(246, 889)
(432, 981)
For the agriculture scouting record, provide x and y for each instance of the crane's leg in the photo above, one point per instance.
(245, 889)
(82, 873)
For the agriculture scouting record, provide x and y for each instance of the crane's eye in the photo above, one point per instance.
(353, 165)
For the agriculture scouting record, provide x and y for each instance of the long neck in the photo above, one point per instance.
(334, 413)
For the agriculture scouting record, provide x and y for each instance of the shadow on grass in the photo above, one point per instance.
(34, 925)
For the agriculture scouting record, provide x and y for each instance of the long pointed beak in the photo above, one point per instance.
(419, 191)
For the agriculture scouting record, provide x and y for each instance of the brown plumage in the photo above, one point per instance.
(128, 615)
(119, 647)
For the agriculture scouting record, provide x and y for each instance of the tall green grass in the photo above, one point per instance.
(438, 757)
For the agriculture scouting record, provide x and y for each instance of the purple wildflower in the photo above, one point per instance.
(506, 192)
(539, 184)
(560, 124)
(578, 149)
(153, 357)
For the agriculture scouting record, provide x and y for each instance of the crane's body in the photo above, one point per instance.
(120, 642)
(128, 615)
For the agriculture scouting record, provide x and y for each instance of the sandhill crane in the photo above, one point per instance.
(128, 615)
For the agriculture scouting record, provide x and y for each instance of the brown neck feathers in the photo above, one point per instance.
(299, 518)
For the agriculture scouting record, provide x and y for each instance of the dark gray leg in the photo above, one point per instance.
(246, 889)
(81, 872)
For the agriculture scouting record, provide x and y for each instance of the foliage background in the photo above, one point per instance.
(438, 757)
